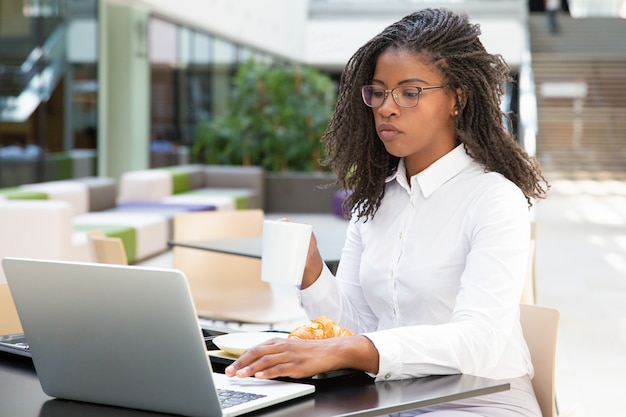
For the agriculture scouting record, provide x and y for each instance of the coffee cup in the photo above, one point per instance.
(284, 250)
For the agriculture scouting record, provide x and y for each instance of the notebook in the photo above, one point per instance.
(125, 336)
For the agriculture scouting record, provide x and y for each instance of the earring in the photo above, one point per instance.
(456, 112)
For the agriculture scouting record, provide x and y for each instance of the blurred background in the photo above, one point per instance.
(102, 87)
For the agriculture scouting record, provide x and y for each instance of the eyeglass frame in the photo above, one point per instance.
(420, 90)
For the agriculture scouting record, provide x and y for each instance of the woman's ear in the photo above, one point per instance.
(460, 100)
(461, 97)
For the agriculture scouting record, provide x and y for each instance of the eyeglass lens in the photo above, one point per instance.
(404, 96)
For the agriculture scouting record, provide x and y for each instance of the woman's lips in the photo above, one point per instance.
(387, 131)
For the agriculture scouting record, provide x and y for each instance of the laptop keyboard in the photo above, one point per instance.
(229, 398)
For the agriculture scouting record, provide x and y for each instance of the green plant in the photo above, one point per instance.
(277, 115)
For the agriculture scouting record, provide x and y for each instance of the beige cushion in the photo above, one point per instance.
(37, 229)
(75, 193)
(145, 185)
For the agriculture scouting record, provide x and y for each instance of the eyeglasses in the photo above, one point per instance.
(404, 95)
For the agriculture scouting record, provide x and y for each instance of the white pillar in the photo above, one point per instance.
(124, 90)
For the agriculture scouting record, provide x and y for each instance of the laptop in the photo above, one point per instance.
(126, 336)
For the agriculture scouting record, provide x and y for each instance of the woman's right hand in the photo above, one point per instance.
(314, 264)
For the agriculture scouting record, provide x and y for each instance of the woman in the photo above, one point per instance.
(435, 258)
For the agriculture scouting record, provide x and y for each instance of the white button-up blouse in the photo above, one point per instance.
(434, 280)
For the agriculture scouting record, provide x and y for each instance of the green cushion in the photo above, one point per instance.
(16, 193)
(180, 180)
(126, 233)
(63, 165)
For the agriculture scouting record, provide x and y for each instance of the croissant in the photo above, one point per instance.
(320, 328)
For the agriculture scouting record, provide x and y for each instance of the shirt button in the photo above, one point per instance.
(387, 376)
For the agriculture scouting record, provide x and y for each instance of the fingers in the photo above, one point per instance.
(267, 367)
(254, 360)
(276, 358)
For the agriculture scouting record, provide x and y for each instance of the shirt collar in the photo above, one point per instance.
(437, 174)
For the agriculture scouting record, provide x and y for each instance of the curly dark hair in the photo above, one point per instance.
(451, 44)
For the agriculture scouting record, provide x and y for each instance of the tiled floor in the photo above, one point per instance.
(581, 271)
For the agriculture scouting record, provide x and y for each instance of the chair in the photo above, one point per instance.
(107, 250)
(229, 287)
(9, 320)
(540, 326)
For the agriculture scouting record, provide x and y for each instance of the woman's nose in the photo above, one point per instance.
(389, 106)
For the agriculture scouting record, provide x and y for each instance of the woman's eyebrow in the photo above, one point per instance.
(409, 81)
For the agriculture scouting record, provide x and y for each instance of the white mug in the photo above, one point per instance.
(284, 251)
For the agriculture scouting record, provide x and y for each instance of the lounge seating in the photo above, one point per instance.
(83, 194)
(145, 185)
(101, 192)
(144, 235)
(140, 214)
(225, 187)
(72, 192)
(40, 229)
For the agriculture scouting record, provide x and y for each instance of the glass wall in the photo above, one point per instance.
(49, 88)
(191, 74)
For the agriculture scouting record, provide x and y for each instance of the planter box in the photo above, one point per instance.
(299, 192)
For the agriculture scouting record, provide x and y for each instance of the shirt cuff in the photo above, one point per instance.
(389, 356)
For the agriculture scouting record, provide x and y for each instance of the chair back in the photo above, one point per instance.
(9, 320)
(225, 287)
(540, 326)
(107, 250)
